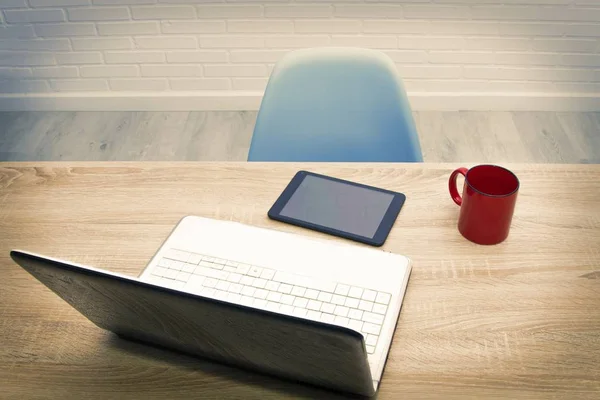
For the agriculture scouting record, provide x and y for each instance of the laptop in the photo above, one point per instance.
(307, 309)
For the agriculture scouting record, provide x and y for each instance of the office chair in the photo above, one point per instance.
(335, 105)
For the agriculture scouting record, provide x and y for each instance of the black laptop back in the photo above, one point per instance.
(289, 347)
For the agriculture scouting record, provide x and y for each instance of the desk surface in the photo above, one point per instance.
(516, 320)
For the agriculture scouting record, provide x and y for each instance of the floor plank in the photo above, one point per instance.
(218, 136)
(443, 140)
(583, 130)
(545, 138)
(461, 137)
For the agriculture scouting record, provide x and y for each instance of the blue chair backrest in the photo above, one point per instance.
(335, 105)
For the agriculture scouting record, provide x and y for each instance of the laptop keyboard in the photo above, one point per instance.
(358, 308)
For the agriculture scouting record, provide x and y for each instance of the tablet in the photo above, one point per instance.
(338, 207)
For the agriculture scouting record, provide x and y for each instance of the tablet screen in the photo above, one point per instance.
(338, 205)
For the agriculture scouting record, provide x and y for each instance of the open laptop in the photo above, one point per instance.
(311, 310)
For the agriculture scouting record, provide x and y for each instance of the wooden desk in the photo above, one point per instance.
(516, 320)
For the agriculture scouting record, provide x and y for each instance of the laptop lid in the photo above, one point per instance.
(325, 355)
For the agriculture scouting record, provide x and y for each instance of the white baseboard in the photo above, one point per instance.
(238, 100)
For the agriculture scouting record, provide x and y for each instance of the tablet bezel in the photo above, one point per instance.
(383, 230)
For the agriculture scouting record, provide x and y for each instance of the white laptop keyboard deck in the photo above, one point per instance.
(360, 309)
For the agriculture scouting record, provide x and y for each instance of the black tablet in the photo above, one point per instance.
(338, 207)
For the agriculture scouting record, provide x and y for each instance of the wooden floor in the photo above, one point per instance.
(539, 137)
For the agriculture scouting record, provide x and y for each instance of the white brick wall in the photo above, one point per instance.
(456, 46)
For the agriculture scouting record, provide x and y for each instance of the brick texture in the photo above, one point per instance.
(232, 45)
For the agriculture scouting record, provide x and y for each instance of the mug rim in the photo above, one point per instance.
(492, 195)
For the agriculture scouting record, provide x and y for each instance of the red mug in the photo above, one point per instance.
(487, 203)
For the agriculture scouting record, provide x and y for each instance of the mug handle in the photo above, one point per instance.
(452, 184)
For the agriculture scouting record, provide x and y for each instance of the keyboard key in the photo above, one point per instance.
(165, 262)
(159, 271)
(370, 349)
(208, 292)
(324, 296)
(301, 302)
(176, 265)
(352, 303)
(299, 312)
(248, 291)
(195, 283)
(205, 264)
(328, 308)
(234, 297)
(210, 282)
(219, 261)
(355, 314)
(311, 294)
(200, 270)
(355, 292)
(315, 315)
(365, 305)
(371, 340)
(267, 274)
(314, 305)
(371, 328)
(223, 285)
(208, 259)
(261, 294)
(383, 298)
(341, 311)
(229, 268)
(298, 290)
(235, 288)
(369, 295)
(217, 266)
(339, 300)
(246, 301)
(259, 283)
(259, 303)
(342, 321)
(290, 279)
(212, 273)
(203, 271)
(183, 276)
(171, 273)
(274, 296)
(342, 289)
(287, 299)
(231, 264)
(243, 268)
(222, 275)
(285, 288)
(355, 324)
(178, 255)
(194, 259)
(247, 280)
(234, 277)
(379, 308)
(272, 306)
(220, 295)
(272, 286)
(189, 268)
(286, 309)
(372, 318)
(328, 318)
(255, 271)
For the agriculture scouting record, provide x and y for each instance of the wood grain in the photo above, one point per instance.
(516, 320)
(456, 136)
